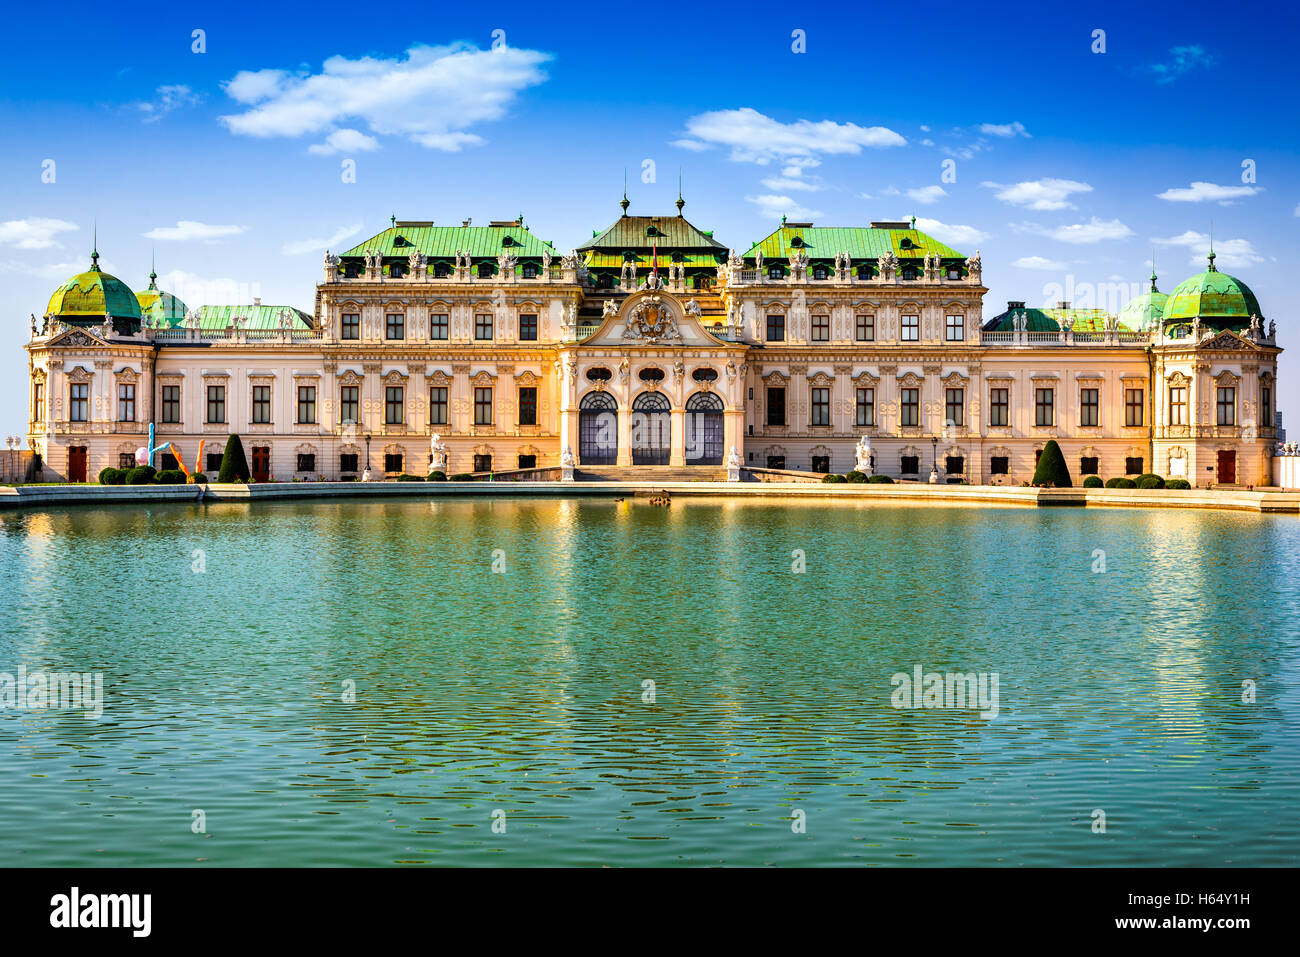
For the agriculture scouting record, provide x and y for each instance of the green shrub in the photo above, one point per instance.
(1149, 480)
(1178, 483)
(832, 479)
(404, 477)
(234, 467)
(140, 475)
(462, 477)
(1052, 472)
(880, 480)
(198, 478)
(171, 477)
(1092, 481)
(437, 475)
(111, 476)
(1120, 482)
(856, 476)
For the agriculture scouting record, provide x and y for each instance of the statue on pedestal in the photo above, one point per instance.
(733, 465)
(566, 464)
(862, 455)
(438, 449)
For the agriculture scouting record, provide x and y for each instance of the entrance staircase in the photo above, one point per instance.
(650, 473)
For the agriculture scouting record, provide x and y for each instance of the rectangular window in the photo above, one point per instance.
(126, 402)
(911, 464)
(482, 463)
(1266, 406)
(393, 462)
(956, 328)
(349, 404)
(909, 408)
(866, 407)
(216, 403)
(126, 460)
(1177, 405)
(527, 327)
(911, 329)
(999, 465)
(483, 405)
(999, 406)
(394, 405)
(528, 405)
(438, 405)
(776, 461)
(77, 401)
(438, 325)
(821, 407)
(866, 329)
(1227, 406)
(954, 408)
(1044, 407)
(395, 326)
(1133, 466)
(171, 403)
(821, 328)
(821, 463)
(306, 405)
(954, 464)
(1134, 403)
(776, 405)
(348, 461)
(306, 462)
(776, 328)
(351, 326)
(1088, 465)
(483, 326)
(213, 460)
(261, 404)
(1089, 406)
(38, 402)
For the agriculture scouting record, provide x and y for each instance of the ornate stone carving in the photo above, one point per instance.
(651, 320)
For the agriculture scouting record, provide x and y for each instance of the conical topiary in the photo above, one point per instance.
(234, 467)
(1052, 472)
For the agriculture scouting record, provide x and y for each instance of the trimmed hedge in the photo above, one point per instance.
(141, 475)
(1178, 483)
(1052, 472)
(856, 476)
(880, 480)
(198, 478)
(437, 475)
(1092, 481)
(1149, 480)
(234, 466)
(832, 478)
(405, 477)
(462, 477)
(111, 476)
(1120, 482)
(171, 477)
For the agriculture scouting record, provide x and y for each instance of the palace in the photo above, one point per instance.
(653, 349)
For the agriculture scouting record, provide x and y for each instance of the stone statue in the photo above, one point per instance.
(106, 329)
(438, 448)
(570, 261)
(415, 262)
(679, 370)
(973, 267)
(731, 369)
(506, 264)
(33, 317)
(566, 457)
(1272, 328)
(546, 259)
(611, 309)
(624, 370)
(1256, 328)
(733, 464)
(758, 260)
(734, 260)
(862, 456)
(693, 309)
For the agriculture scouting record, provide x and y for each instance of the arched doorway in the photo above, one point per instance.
(651, 429)
(704, 429)
(597, 429)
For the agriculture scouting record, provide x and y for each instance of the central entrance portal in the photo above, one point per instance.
(704, 431)
(597, 429)
(651, 429)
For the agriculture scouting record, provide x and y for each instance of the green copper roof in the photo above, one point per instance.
(158, 306)
(441, 242)
(644, 260)
(1046, 320)
(1212, 295)
(259, 317)
(860, 242)
(1143, 313)
(91, 295)
(669, 233)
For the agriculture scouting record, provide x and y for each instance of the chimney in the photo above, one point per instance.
(257, 300)
(1012, 304)
(1062, 304)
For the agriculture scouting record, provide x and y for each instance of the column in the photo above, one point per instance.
(624, 434)
(677, 447)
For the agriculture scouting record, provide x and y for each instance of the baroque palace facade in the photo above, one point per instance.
(655, 347)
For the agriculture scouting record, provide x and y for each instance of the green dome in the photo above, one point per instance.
(89, 296)
(1215, 296)
(1143, 313)
(160, 308)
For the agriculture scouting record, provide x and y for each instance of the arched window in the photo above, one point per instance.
(650, 429)
(704, 428)
(597, 429)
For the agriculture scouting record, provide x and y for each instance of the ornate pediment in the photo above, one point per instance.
(77, 338)
(651, 320)
(394, 377)
(437, 377)
(1227, 340)
(79, 374)
(350, 377)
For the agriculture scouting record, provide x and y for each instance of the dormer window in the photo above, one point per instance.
(775, 272)
(653, 231)
(509, 241)
(441, 270)
(954, 272)
(906, 243)
(484, 270)
(396, 271)
(909, 272)
(864, 272)
(820, 272)
(797, 242)
(530, 270)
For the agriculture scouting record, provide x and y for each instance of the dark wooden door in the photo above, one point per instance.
(261, 467)
(1227, 468)
(77, 463)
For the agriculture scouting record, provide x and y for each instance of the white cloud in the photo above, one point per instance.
(167, 99)
(927, 194)
(774, 207)
(47, 271)
(1093, 231)
(925, 129)
(1039, 193)
(34, 233)
(1004, 130)
(1229, 253)
(1182, 60)
(755, 138)
(780, 182)
(695, 146)
(951, 233)
(195, 290)
(186, 229)
(311, 245)
(1038, 262)
(1201, 192)
(430, 96)
(344, 141)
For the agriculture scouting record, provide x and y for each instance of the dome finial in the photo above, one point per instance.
(94, 249)
(623, 202)
(1211, 256)
(680, 202)
(1153, 271)
(153, 269)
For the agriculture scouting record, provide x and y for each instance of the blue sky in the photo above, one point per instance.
(1070, 165)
